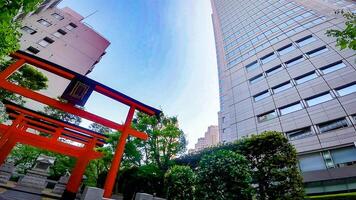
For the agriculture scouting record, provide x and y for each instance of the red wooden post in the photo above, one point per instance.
(115, 163)
(7, 133)
(11, 69)
(78, 172)
(6, 149)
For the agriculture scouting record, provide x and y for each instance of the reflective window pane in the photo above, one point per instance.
(286, 49)
(282, 87)
(267, 116)
(274, 70)
(261, 95)
(291, 108)
(347, 90)
(268, 58)
(306, 40)
(253, 65)
(294, 61)
(256, 78)
(332, 67)
(332, 125)
(306, 77)
(319, 99)
(344, 156)
(311, 162)
(299, 134)
(317, 51)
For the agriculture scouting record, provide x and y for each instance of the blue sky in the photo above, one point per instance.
(162, 53)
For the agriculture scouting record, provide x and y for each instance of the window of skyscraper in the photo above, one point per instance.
(267, 58)
(299, 133)
(44, 22)
(28, 30)
(290, 108)
(32, 50)
(294, 61)
(319, 99)
(317, 51)
(267, 116)
(286, 49)
(332, 125)
(253, 65)
(274, 70)
(305, 40)
(306, 77)
(261, 95)
(344, 156)
(282, 87)
(57, 16)
(332, 67)
(311, 162)
(345, 90)
(256, 78)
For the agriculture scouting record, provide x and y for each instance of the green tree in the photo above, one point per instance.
(179, 182)
(345, 38)
(27, 77)
(9, 34)
(62, 115)
(274, 163)
(224, 175)
(100, 128)
(24, 157)
(99, 167)
(165, 141)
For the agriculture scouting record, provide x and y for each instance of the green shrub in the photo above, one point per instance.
(224, 175)
(147, 179)
(179, 182)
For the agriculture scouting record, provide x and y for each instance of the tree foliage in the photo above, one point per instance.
(165, 140)
(27, 77)
(224, 175)
(179, 182)
(9, 34)
(345, 38)
(275, 162)
(61, 115)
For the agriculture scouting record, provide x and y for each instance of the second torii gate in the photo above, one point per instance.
(76, 93)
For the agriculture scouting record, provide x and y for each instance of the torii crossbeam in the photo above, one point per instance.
(76, 93)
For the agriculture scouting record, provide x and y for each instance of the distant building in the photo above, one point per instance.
(210, 138)
(60, 36)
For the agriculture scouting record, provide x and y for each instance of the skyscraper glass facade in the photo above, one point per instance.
(279, 71)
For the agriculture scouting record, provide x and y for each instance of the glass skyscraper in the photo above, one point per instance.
(279, 71)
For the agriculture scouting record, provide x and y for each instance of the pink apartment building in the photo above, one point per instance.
(61, 36)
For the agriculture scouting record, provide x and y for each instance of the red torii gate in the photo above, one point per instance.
(76, 93)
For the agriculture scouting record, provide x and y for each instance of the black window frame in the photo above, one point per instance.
(33, 50)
